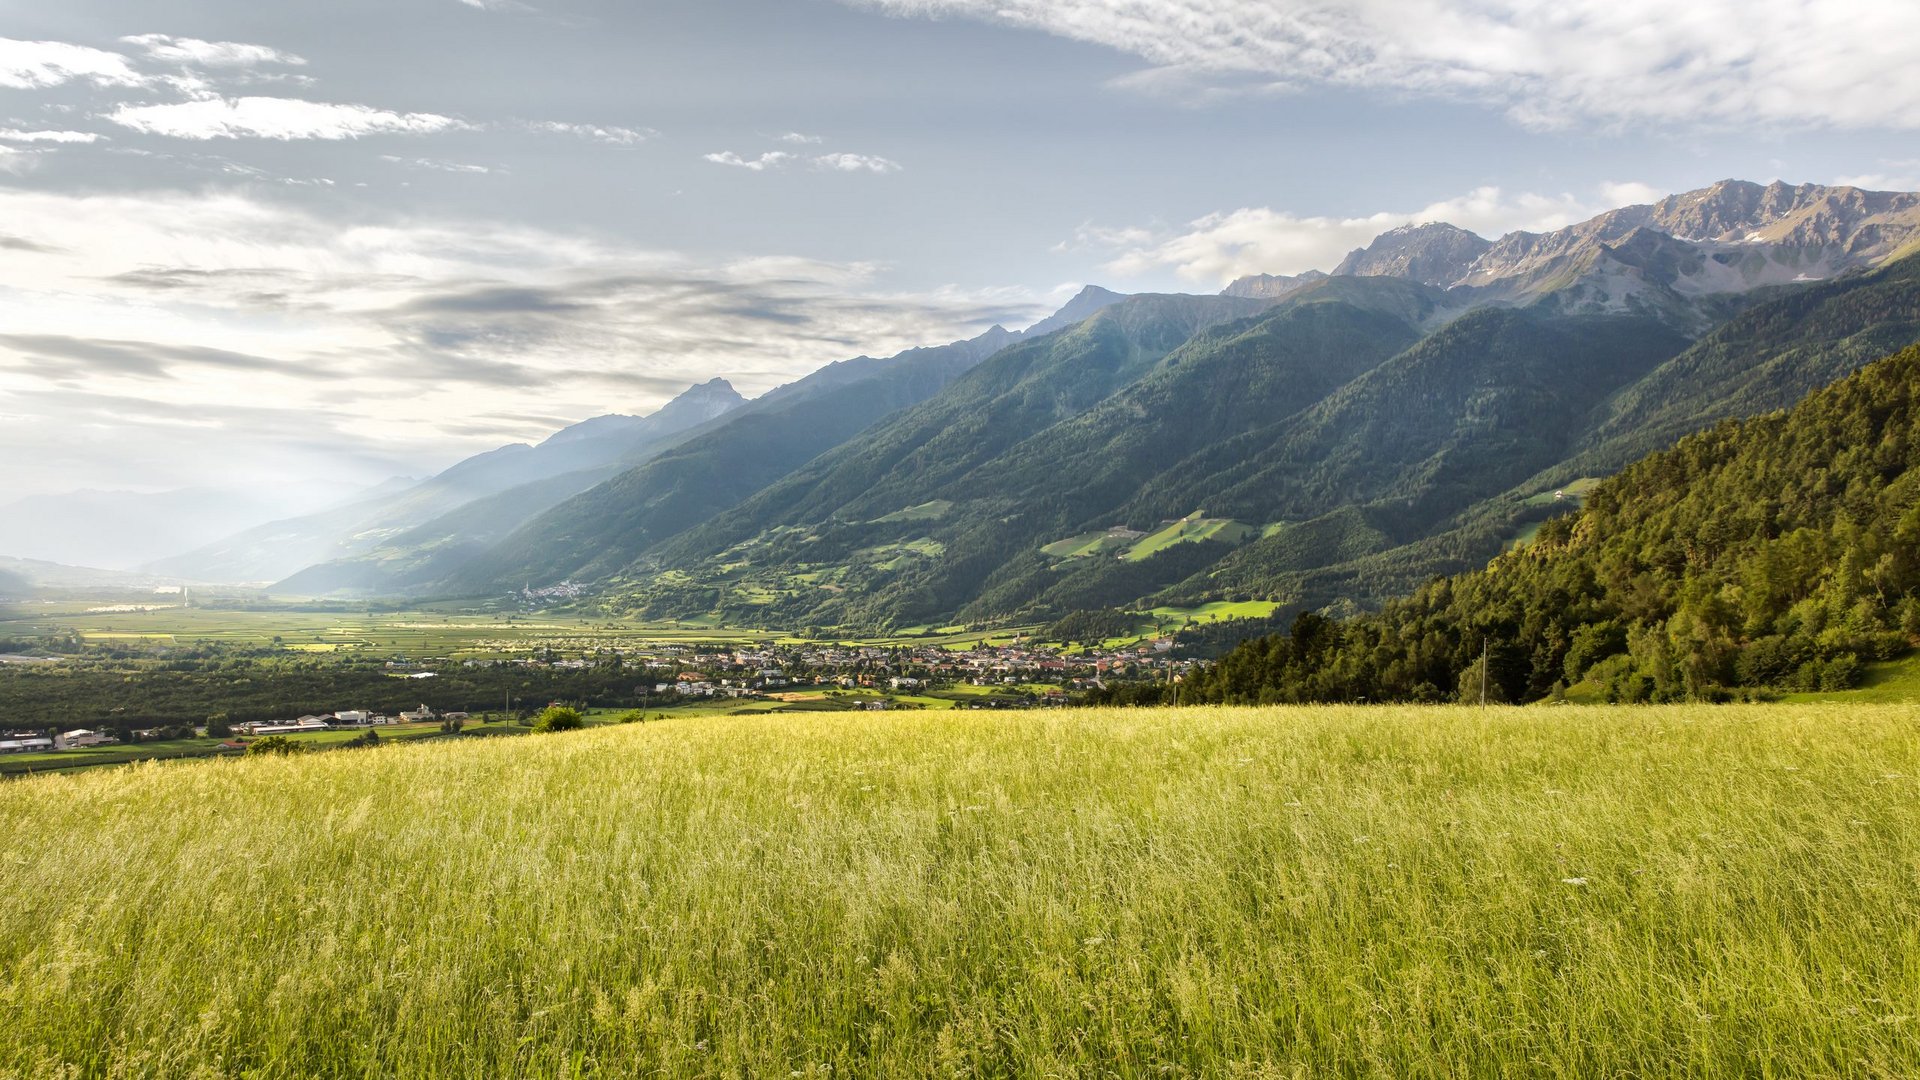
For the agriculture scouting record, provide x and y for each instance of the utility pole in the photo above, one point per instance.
(1483, 673)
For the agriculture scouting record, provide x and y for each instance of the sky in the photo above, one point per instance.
(249, 245)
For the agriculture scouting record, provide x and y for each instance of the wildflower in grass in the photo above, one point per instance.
(1574, 881)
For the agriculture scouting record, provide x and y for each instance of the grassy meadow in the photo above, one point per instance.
(1391, 892)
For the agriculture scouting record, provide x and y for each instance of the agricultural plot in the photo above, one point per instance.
(1191, 529)
(1571, 495)
(928, 511)
(1135, 546)
(419, 634)
(1713, 891)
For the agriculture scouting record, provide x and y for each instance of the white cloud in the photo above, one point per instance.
(780, 159)
(856, 163)
(28, 65)
(274, 118)
(197, 53)
(1258, 240)
(436, 164)
(15, 135)
(612, 135)
(1614, 63)
(771, 160)
(1889, 176)
(16, 161)
(805, 140)
(415, 331)
(1630, 193)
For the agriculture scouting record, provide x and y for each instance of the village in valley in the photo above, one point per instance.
(650, 680)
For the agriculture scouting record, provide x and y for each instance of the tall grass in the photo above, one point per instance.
(1262, 892)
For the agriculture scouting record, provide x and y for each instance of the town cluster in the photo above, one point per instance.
(746, 671)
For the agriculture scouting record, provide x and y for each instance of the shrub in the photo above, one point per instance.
(559, 718)
(275, 744)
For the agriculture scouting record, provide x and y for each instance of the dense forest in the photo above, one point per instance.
(1778, 552)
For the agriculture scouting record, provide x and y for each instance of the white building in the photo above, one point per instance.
(81, 737)
(26, 744)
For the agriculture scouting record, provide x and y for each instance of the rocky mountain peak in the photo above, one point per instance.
(1089, 302)
(1433, 253)
(1271, 286)
(695, 405)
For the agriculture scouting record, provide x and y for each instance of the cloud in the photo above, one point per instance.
(436, 164)
(407, 329)
(15, 135)
(611, 135)
(1610, 63)
(89, 357)
(17, 161)
(780, 159)
(1629, 193)
(801, 139)
(15, 243)
(1889, 176)
(216, 54)
(773, 159)
(30, 65)
(1220, 247)
(856, 163)
(274, 118)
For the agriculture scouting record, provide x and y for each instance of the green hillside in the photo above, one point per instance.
(1782, 552)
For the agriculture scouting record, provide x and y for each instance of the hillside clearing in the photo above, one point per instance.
(1335, 891)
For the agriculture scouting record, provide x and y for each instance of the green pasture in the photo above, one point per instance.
(927, 511)
(1313, 892)
(1188, 530)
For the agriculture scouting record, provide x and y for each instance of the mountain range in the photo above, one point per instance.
(1314, 439)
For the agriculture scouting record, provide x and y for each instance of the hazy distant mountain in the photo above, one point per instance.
(41, 573)
(715, 466)
(120, 530)
(574, 458)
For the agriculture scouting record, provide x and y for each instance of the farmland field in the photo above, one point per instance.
(1405, 892)
(419, 634)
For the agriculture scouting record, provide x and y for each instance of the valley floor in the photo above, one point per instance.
(1379, 891)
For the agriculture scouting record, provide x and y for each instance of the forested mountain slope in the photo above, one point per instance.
(1086, 471)
(1780, 551)
(1769, 357)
